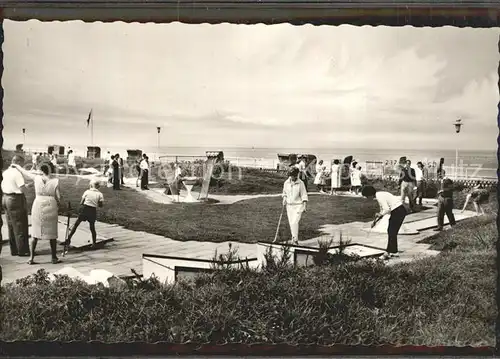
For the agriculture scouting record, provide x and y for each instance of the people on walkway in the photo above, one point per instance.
(122, 168)
(295, 199)
(71, 162)
(107, 162)
(14, 189)
(303, 170)
(389, 204)
(319, 179)
(116, 172)
(421, 175)
(335, 177)
(53, 159)
(35, 158)
(91, 199)
(144, 172)
(479, 196)
(407, 183)
(355, 178)
(45, 209)
(445, 204)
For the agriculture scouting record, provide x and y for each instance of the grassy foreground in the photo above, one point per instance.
(445, 300)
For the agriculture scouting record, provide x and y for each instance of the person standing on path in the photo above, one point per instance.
(34, 160)
(122, 168)
(303, 170)
(421, 175)
(295, 199)
(107, 162)
(71, 162)
(407, 183)
(335, 177)
(45, 210)
(445, 204)
(319, 178)
(14, 190)
(116, 172)
(91, 199)
(389, 204)
(144, 173)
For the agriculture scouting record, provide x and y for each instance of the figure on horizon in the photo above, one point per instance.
(295, 199)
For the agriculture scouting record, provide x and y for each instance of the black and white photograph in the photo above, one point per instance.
(249, 183)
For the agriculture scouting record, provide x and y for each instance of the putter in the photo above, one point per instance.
(279, 223)
(66, 245)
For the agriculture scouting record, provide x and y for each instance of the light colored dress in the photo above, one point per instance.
(44, 213)
(335, 175)
(356, 178)
(319, 174)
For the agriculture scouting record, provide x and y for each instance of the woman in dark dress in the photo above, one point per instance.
(116, 173)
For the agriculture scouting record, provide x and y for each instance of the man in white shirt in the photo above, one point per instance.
(144, 172)
(14, 189)
(71, 162)
(389, 204)
(421, 174)
(295, 199)
(107, 162)
(34, 160)
(303, 170)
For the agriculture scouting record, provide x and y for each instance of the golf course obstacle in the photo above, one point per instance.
(203, 172)
(170, 269)
(300, 255)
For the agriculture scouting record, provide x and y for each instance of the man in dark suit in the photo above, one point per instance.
(407, 183)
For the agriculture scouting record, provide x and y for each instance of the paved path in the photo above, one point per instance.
(125, 252)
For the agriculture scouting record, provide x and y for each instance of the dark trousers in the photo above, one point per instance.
(16, 210)
(445, 206)
(116, 179)
(420, 191)
(121, 174)
(395, 222)
(144, 179)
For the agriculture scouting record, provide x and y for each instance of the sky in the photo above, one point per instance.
(278, 86)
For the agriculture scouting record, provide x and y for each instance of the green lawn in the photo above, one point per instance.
(246, 221)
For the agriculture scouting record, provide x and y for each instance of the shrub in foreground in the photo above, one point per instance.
(448, 301)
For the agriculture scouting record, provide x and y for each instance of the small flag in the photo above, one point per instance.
(89, 118)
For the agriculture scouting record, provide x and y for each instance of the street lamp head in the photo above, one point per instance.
(158, 129)
(24, 130)
(458, 125)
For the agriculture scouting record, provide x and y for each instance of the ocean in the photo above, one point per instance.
(482, 163)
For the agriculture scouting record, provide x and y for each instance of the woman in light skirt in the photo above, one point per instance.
(45, 210)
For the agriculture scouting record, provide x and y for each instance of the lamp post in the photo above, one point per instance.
(24, 137)
(158, 150)
(458, 125)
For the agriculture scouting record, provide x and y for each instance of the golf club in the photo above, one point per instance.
(279, 223)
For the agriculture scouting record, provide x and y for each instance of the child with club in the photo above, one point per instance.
(295, 199)
(389, 204)
(91, 199)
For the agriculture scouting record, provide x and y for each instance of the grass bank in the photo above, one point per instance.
(445, 300)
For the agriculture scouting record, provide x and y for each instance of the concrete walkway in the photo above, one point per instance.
(125, 252)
